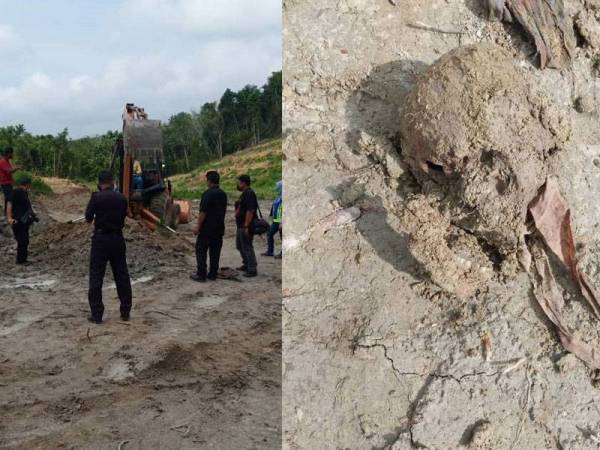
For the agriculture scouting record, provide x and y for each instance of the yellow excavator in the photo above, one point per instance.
(140, 158)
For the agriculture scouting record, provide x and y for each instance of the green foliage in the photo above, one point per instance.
(263, 163)
(37, 184)
(237, 121)
(40, 187)
(190, 140)
(46, 155)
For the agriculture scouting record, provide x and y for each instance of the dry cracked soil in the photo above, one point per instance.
(198, 366)
(376, 353)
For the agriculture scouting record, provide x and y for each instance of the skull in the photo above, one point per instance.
(476, 133)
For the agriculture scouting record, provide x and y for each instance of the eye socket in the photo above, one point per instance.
(434, 167)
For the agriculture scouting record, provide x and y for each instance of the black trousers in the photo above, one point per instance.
(6, 191)
(212, 246)
(109, 248)
(244, 244)
(21, 233)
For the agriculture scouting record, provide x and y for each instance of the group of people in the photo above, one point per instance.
(210, 227)
(108, 208)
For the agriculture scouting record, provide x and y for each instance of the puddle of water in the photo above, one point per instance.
(209, 302)
(144, 279)
(23, 322)
(32, 283)
(119, 371)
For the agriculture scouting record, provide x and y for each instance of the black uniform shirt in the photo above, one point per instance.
(20, 203)
(108, 210)
(214, 204)
(248, 202)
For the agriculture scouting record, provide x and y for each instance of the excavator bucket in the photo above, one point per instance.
(143, 144)
(142, 140)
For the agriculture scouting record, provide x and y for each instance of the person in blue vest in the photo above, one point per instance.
(276, 214)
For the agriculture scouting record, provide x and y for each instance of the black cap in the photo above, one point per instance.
(105, 177)
(8, 151)
(245, 179)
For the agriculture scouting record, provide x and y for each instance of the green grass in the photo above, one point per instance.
(262, 162)
(37, 184)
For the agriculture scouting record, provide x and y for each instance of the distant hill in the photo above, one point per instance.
(262, 162)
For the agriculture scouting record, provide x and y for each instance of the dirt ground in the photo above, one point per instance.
(198, 366)
(376, 354)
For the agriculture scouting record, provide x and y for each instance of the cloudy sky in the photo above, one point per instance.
(74, 64)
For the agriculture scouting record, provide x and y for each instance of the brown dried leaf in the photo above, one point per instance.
(545, 21)
(552, 219)
(551, 302)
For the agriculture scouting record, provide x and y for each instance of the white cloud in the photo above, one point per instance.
(90, 103)
(228, 17)
(8, 37)
(165, 55)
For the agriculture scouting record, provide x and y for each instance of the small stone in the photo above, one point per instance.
(567, 363)
(588, 28)
(593, 4)
(584, 104)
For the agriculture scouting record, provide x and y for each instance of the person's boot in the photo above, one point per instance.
(267, 254)
(197, 278)
(242, 268)
(93, 320)
(250, 274)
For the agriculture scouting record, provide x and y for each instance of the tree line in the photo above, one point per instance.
(237, 121)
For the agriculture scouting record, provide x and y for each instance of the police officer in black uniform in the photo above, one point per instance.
(108, 209)
(210, 228)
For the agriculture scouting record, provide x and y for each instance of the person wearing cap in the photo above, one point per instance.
(107, 209)
(276, 212)
(244, 217)
(6, 174)
(20, 216)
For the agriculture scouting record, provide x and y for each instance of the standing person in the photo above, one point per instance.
(244, 217)
(210, 228)
(276, 211)
(107, 209)
(21, 217)
(6, 174)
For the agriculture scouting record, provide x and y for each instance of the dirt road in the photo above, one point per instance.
(198, 366)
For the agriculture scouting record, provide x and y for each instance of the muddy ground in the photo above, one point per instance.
(376, 354)
(198, 366)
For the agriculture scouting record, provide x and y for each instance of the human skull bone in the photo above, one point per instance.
(476, 130)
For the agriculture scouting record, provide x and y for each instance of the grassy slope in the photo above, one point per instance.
(262, 163)
(38, 185)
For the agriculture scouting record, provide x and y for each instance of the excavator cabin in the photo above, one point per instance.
(141, 172)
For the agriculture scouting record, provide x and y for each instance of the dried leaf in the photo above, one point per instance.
(545, 21)
(486, 343)
(552, 219)
(551, 302)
